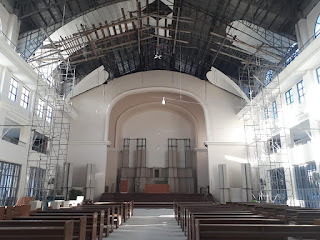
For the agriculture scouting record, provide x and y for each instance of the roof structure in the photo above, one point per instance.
(179, 35)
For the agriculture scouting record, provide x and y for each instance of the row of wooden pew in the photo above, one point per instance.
(296, 215)
(205, 220)
(156, 197)
(85, 222)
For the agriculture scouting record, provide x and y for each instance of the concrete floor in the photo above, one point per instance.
(149, 224)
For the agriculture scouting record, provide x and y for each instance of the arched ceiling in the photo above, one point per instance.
(206, 44)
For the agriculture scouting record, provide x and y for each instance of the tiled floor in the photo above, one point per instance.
(149, 224)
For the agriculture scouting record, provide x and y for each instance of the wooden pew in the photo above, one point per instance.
(193, 216)
(155, 197)
(178, 205)
(127, 207)
(15, 211)
(2, 212)
(228, 220)
(117, 211)
(213, 210)
(307, 217)
(114, 214)
(91, 230)
(98, 223)
(103, 221)
(48, 233)
(255, 231)
(79, 230)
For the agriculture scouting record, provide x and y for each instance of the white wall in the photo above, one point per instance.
(9, 109)
(10, 25)
(157, 126)
(312, 19)
(89, 133)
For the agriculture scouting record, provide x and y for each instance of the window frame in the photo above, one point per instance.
(300, 90)
(49, 114)
(40, 108)
(268, 77)
(25, 98)
(306, 186)
(36, 183)
(275, 109)
(289, 96)
(10, 174)
(266, 113)
(317, 27)
(13, 89)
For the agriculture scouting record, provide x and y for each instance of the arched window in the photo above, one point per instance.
(317, 28)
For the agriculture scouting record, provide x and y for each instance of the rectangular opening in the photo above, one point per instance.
(11, 132)
(301, 133)
(40, 142)
(156, 173)
(274, 144)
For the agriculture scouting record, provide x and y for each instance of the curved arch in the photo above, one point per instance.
(131, 112)
(317, 27)
(220, 80)
(156, 89)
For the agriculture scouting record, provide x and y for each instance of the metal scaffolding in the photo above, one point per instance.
(267, 146)
(48, 148)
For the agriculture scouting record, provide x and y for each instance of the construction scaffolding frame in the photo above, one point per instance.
(267, 146)
(48, 148)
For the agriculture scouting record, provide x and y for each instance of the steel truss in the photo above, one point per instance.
(267, 146)
(133, 29)
(49, 138)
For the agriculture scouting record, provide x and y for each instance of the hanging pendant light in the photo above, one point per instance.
(163, 101)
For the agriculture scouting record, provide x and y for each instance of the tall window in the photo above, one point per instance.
(289, 97)
(318, 74)
(40, 108)
(275, 110)
(49, 114)
(36, 182)
(317, 27)
(13, 90)
(300, 89)
(278, 186)
(25, 98)
(266, 113)
(307, 179)
(269, 76)
(9, 180)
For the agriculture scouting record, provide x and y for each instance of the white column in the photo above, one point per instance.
(230, 153)
(302, 32)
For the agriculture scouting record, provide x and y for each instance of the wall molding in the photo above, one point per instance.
(242, 144)
(102, 143)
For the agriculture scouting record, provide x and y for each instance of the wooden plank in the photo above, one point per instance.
(26, 233)
(80, 225)
(2, 211)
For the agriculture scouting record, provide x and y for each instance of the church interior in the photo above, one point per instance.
(159, 119)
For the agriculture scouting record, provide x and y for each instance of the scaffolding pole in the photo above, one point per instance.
(49, 138)
(267, 146)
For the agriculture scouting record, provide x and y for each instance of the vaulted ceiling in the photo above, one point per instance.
(205, 45)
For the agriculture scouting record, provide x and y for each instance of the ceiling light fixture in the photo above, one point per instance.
(163, 101)
(157, 56)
